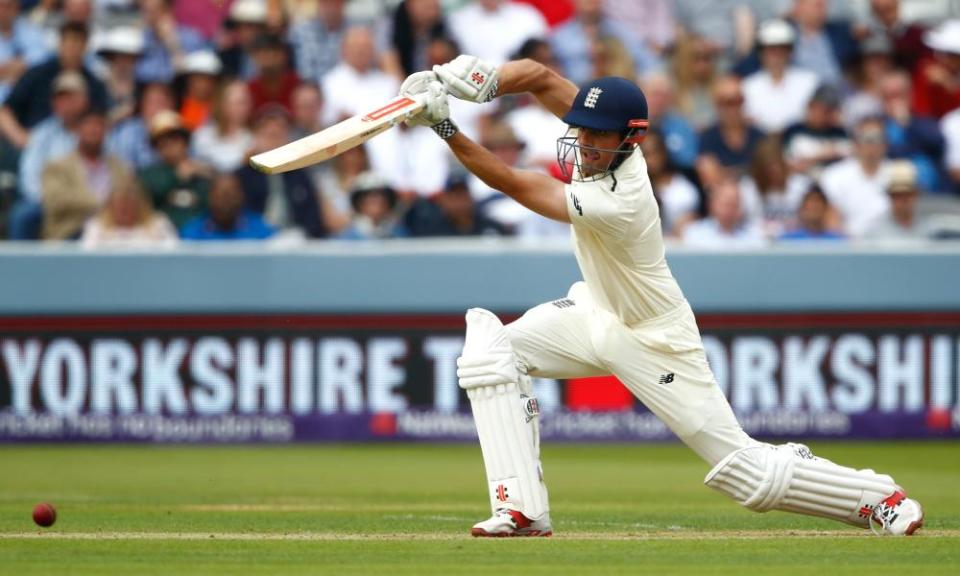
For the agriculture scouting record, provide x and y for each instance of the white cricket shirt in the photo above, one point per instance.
(619, 245)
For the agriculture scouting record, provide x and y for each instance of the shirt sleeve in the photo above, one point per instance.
(597, 212)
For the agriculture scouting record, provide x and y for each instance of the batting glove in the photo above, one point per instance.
(436, 108)
(469, 78)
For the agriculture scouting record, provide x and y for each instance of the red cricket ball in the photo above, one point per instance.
(44, 514)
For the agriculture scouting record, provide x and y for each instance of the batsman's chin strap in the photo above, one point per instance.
(445, 129)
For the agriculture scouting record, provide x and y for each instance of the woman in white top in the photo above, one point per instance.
(678, 198)
(771, 193)
(127, 220)
(225, 140)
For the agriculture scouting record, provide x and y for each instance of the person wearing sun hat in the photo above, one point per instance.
(200, 72)
(776, 96)
(901, 221)
(936, 82)
(177, 184)
(120, 48)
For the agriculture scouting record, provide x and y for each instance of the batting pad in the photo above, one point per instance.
(764, 477)
(505, 413)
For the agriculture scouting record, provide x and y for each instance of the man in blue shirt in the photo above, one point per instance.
(226, 218)
(571, 42)
(812, 216)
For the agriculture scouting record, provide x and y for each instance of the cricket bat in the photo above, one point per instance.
(338, 138)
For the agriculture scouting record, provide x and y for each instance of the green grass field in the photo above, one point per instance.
(406, 509)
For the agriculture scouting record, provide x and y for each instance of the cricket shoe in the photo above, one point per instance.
(508, 523)
(896, 514)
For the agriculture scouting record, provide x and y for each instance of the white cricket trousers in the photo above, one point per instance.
(560, 340)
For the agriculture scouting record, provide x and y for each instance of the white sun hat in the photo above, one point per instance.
(945, 37)
(776, 32)
(201, 62)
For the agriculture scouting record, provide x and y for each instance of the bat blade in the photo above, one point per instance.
(336, 139)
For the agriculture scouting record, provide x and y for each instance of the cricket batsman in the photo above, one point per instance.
(627, 317)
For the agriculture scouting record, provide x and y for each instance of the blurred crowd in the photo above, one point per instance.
(131, 122)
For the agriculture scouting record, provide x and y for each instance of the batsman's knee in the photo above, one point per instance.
(488, 358)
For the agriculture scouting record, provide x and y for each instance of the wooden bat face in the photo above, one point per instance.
(336, 139)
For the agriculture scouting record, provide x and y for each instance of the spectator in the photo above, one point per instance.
(820, 139)
(495, 29)
(901, 221)
(733, 139)
(498, 137)
(609, 57)
(199, 73)
(413, 25)
(678, 198)
(936, 82)
(906, 39)
(49, 140)
(21, 45)
(227, 219)
(246, 21)
(651, 20)
(725, 228)
(336, 179)
(678, 135)
(204, 17)
(374, 205)
(76, 186)
(876, 61)
(856, 187)
(418, 165)
(950, 128)
(130, 139)
(695, 64)
(275, 81)
(822, 48)
(224, 141)
(316, 42)
(357, 86)
(306, 109)
(771, 193)
(531, 122)
(451, 213)
(177, 184)
(813, 219)
(777, 95)
(29, 102)
(120, 49)
(574, 41)
(909, 136)
(166, 42)
(127, 220)
(288, 202)
(723, 25)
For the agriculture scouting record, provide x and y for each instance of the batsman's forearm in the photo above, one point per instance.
(482, 163)
(555, 92)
